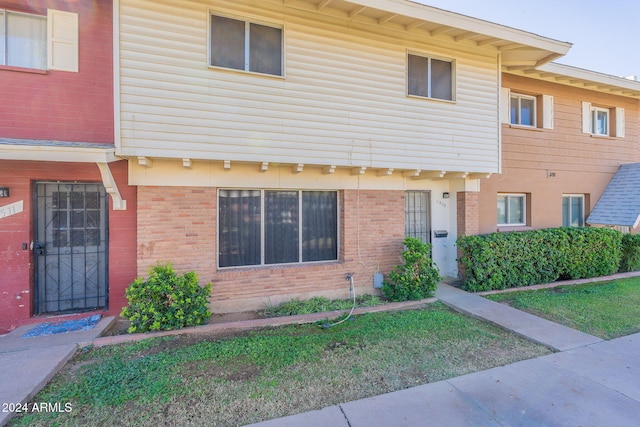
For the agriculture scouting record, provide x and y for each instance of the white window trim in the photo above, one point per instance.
(581, 196)
(430, 57)
(62, 36)
(594, 112)
(5, 17)
(520, 97)
(620, 122)
(547, 110)
(62, 40)
(248, 20)
(615, 121)
(524, 209)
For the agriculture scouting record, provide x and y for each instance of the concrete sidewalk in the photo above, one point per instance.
(28, 364)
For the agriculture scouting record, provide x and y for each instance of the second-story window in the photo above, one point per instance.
(23, 40)
(599, 121)
(603, 120)
(430, 77)
(247, 46)
(523, 110)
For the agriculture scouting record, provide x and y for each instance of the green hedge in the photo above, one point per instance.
(630, 253)
(507, 260)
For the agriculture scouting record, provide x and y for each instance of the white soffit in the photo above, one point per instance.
(579, 77)
(517, 47)
(56, 151)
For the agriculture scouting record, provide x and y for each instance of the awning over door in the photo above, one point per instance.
(63, 151)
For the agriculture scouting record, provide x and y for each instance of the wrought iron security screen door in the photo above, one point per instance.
(70, 251)
(417, 215)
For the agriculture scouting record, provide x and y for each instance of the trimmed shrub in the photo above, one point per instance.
(506, 260)
(417, 278)
(166, 301)
(630, 260)
(592, 252)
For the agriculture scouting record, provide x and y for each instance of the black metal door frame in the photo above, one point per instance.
(418, 214)
(71, 247)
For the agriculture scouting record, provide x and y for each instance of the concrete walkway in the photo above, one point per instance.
(28, 364)
(589, 382)
(556, 337)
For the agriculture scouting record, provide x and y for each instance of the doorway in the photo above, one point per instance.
(70, 247)
(417, 215)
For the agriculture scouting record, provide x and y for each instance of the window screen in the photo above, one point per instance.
(246, 46)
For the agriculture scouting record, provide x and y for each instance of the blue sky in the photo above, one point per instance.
(605, 34)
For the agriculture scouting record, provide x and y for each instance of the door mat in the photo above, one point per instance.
(62, 327)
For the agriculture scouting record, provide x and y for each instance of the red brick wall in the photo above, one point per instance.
(16, 279)
(179, 225)
(63, 105)
(468, 211)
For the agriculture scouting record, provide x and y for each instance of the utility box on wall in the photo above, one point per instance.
(378, 279)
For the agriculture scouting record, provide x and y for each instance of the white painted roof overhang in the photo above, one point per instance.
(578, 77)
(56, 151)
(517, 48)
(63, 151)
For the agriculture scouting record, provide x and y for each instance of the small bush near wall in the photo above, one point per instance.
(630, 253)
(506, 260)
(417, 278)
(166, 301)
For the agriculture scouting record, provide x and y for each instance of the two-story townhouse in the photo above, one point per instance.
(277, 145)
(64, 246)
(565, 133)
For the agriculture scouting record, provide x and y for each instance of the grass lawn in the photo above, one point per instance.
(259, 375)
(606, 309)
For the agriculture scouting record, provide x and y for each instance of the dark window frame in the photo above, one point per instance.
(431, 77)
(267, 227)
(244, 45)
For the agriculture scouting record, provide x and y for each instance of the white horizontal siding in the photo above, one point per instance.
(342, 101)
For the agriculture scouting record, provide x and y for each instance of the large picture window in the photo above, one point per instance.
(262, 227)
(247, 46)
(430, 77)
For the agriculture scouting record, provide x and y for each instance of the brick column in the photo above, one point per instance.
(468, 213)
(468, 218)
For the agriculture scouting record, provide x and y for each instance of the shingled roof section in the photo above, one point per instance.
(620, 202)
